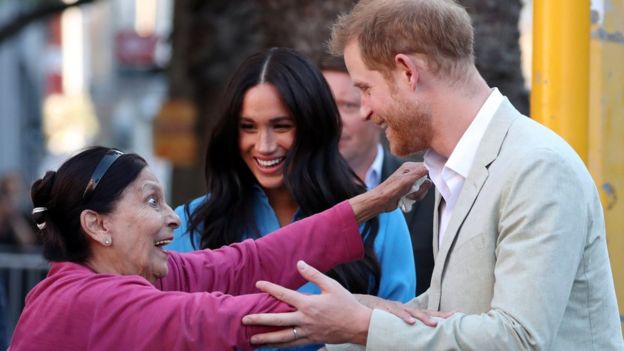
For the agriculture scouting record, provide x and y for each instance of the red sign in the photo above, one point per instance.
(135, 50)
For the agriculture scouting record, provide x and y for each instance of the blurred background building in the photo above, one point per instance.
(72, 74)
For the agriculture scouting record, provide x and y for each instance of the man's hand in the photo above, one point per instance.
(335, 316)
(408, 314)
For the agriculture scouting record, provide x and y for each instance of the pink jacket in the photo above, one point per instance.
(197, 306)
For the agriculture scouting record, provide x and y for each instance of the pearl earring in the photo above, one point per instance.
(108, 242)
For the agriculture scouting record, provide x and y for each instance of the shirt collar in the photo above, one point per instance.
(373, 175)
(465, 151)
(460, 160)
(434, 163)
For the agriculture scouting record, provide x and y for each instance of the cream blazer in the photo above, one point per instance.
(524, 260)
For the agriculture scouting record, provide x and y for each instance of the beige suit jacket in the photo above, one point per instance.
(524, 260)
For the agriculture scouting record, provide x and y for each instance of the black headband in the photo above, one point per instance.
(109, 158)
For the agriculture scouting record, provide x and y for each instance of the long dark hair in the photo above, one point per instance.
(60, 195)
(314, 171)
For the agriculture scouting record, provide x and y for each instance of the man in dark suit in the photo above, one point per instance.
(420, 223)
(361, 146)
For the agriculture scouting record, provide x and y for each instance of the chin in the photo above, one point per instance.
(160, 269)
(160, 274)
(271, 184)
(400, 150)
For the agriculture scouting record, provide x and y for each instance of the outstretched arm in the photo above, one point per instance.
(334, 316)
(325, 240)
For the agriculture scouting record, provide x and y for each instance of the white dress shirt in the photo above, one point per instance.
(449, 175)
(373, 175)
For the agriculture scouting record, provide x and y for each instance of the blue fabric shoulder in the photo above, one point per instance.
(393, 246)
(181, 237)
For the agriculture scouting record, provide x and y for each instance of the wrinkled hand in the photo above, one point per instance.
(385, 197)
(418, 192)
(422, 191)
(335, 316)
(408, 314)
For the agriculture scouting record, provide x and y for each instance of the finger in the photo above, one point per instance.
(422, 191)
(273, 319)
(406, 177)
(281, 293)
(401, 313)
(424, 317)
(280, 338)
(312, 275)
(415, 167)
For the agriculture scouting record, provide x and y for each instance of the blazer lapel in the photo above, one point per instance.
(486, 153)
(436, 223)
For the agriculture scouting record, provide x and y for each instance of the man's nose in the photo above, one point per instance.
(365, 110)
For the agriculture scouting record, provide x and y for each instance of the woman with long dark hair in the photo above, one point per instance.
(273, 159)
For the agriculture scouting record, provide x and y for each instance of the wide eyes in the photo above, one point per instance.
(152, 201)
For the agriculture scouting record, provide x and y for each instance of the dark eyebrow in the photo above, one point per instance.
(272, 120)
(361, 86)
(282, 119)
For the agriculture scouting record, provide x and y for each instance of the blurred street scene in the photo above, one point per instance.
(145, 76)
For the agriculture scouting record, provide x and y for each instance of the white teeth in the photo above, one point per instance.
(269, 163)
(162, 242)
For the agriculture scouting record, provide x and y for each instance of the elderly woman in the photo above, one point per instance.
(104, 220)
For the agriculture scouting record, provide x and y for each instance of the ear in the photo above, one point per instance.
(93, 225)
(409, 69)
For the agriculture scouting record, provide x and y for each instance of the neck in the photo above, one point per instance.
(362, 163)
(454, 107)
(283, 203)
(100, 261)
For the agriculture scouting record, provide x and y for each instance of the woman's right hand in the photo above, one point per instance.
(385, 197)
(408, 314)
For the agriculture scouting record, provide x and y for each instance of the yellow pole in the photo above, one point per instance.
(560, 87)
(606, 161)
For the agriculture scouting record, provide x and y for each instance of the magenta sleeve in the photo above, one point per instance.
(323, 240)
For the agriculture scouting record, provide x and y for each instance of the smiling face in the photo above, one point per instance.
(139, 225)
(390, 104)
(266, 133)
